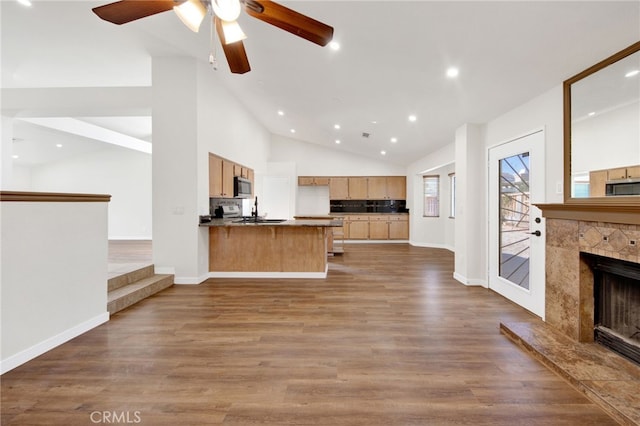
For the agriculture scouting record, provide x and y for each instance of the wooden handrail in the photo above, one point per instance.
(53, 197)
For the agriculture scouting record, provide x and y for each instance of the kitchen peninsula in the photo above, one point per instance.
(287, 249)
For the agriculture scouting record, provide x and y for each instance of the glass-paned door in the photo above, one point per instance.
(514, 219)
(516, 226)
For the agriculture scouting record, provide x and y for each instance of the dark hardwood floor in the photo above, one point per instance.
(389, 338)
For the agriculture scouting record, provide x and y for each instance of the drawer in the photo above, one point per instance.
(356, 217)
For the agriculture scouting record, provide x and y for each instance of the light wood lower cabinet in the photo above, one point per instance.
(399, 228)
(376, 227)
(356, 227)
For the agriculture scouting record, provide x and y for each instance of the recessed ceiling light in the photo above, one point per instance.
(280, 112)
(292, 130)
(632, 73)
(334, 45)
(383, 152)
(15, 156)
(58, 145)
(412, 118)
(453, 72)
(25, 2)
(338, 141)
(336, 126)
(374, 122)
(394, 140)
(591, 114)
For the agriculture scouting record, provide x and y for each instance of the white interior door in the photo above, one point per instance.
(516, 226)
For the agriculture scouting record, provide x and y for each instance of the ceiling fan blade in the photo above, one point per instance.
(125, 11)
(234, 52)
(290, 20)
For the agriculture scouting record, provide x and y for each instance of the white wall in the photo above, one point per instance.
(6, 151)
(471, 198)
(193, 114)
(542, 112)
(470, 155)
(431, 232)
(124, 174)
(54, 275)
(316, 160)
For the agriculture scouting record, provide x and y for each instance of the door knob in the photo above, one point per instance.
(536, 233)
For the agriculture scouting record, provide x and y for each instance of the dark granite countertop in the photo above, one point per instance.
(311, 222)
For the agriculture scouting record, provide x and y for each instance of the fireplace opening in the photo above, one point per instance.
(617, 305)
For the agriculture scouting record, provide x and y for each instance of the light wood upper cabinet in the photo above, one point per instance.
(597, 183)
(396, 187)
(598, 178)
(387, 188)
(339, 188)
(624, 173)
(347, 188)
(227, 178)
(358, 188)
(377, 188)
(633, 172)
(313, 181)
(221, 174)
(215, 176)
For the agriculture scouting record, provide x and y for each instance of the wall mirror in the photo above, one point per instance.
(602, 131)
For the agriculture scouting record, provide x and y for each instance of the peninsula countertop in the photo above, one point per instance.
(237, 222)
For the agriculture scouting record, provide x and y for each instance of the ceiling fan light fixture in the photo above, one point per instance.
(191, 13)
(227, 10)
(232, 32)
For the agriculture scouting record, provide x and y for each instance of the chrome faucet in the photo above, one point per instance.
(256, 208)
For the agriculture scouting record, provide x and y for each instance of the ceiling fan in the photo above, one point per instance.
(225, 13)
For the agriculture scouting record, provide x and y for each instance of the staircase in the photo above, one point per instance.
(131, 287)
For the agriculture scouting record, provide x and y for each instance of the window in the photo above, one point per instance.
(452, 195)
(431, 196)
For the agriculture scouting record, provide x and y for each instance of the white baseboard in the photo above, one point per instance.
(430, 245)
(139, 238)
(189, 280)
(164, 270)
(469, 282)
(38, 349)
(375, 241)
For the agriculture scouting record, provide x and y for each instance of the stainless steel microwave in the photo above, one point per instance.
(241, 187)
(622, 188)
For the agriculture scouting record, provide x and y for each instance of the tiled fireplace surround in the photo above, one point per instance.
(564, 341)
(569, 280)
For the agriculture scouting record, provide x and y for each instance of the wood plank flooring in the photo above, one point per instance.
(388, 339)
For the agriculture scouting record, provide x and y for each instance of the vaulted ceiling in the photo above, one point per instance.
(392, 63)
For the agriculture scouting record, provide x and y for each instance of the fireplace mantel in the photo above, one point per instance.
(593, 212)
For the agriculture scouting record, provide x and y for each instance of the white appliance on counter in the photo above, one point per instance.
(231, 211)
